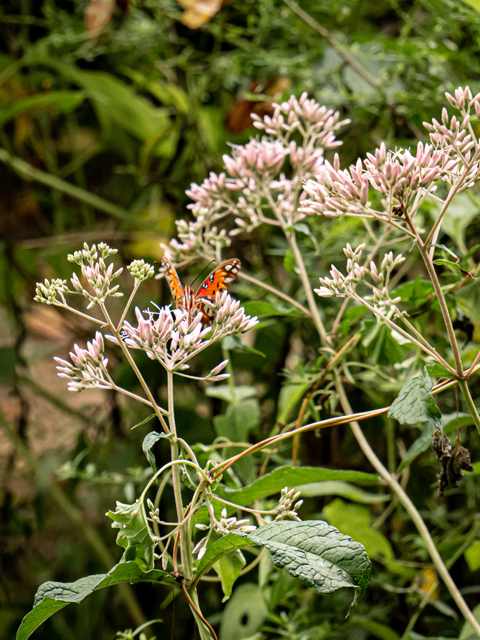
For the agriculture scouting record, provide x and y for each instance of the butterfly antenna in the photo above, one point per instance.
(203, 271)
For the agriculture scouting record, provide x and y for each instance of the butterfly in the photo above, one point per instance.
(185, 298)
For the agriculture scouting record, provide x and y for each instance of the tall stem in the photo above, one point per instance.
(367, 449)
(409, 508)
(292, 241)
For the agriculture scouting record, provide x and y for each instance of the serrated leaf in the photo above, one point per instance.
(134, 535)
(274, 482)
(353, 519)
(316, 553)
(53, 596)
(148, 442)
(415, 403)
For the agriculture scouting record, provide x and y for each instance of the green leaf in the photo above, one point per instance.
(147, 419)
(344, 489)
(316, 553)
(289, 261)
(134, 535)
(239, 419)
(261, 308)
(290, 396)
(472, 556)
(458, 216)
(234, 343)
(53, 596)
(414, 293)
(224, 392)
(382, 345)
(244, 613)
(281, 477)
(354, 519)
(415, 403)
(377, 629)
(148, 442)
(220, 548)
(229, 568)
(436, 370)
(61, 101)
(454, 266)
(351, 314)
(421, 444)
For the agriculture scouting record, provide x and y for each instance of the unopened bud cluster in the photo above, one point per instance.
(141, 270)
(96, 272)
(342, 286)
(226, 525)
(52, 292)
(88, 367)
(289, 503)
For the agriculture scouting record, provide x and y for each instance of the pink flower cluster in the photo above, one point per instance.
(172, 336)
(88, 367)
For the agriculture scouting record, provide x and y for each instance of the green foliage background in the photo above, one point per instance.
(100, 136)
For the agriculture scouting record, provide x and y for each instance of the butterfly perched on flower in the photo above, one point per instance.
(216, 282)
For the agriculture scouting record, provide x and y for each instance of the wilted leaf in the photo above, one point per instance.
(148, 442)
(134, 535)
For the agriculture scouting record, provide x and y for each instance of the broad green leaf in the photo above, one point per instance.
(414, 293)
(354, 520)
(316, 553)
(220, 548)
(351, 314)
(62, 101)
(421, 444)
(228, 568)
(458, 216)
(281, 477)
(53, 596)
(381, 345)
(436, 370)
(239, 419)
(148, 442)
(224, 392)
(450, 421)
(261, 308)
(344, 489)
(290, 396)
(245, 612)
(472, 556)
(134, 535)
(415, 403)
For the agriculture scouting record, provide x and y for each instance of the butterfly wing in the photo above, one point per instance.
(217, 281)
(173, 281)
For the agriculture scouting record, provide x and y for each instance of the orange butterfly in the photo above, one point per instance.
(185, 298)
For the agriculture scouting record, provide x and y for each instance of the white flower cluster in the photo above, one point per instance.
(288, 504)
(95, 271)
(88, 367)
(173, 336)
(345, 286)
